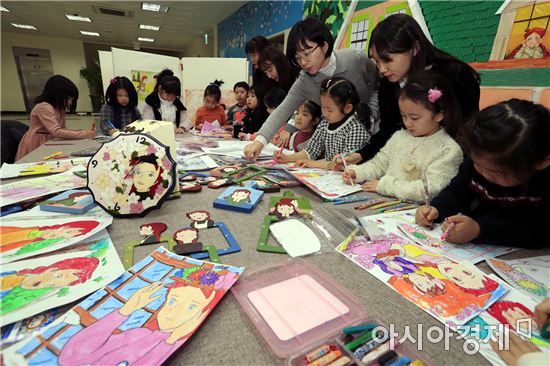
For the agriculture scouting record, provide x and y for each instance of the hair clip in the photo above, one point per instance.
(113, 80)
(434, 94)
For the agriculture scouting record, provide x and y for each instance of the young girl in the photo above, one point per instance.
(47, 119)
(340, 131)
(120, 108)
(211, 110)
(401, 50)
(307, 118)
(256, 113)
(423, 150)
(163, 104)
(501, 194)
(310, 47)
(272, 99)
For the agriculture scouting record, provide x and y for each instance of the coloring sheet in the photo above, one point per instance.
(532, 281)
(513, 310)
(31, 286)
(195, 162)
(327, 184)
(403, 224)
(41, 167)
(15, 332)
(140, 318)
(235, 149)
(26, 238)
(37, 187)
(450, 291)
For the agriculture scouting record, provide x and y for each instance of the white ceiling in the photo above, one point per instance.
(184, 22)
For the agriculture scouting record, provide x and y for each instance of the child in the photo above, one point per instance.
(237, 111)
(423, 149)
(120, 108)
(503, 188)
(340, 131)
(307, 118)
(272, 99)
(163, 104)
(211, 110)
(256, 113)
(47, 119)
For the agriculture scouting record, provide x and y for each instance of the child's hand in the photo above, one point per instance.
(542, 313)
(349, 176)
(465, 230)
(425, 215)
(370, 186)
(179, 130)
(278, 156)
(305, 163)
(338, 163)
(517, 347)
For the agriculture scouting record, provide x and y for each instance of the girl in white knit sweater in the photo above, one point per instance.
(427, 105)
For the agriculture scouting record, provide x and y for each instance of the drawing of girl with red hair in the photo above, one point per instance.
(146, 176)
(26, 286)
(30, 239)
(532, 46)
(285, 208)
(152, 232)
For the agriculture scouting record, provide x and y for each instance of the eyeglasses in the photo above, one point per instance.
(305, 56)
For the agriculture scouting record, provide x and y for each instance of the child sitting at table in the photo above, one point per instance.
(272, 99)
(501, 194)
(211, 110)
(47, 119)
(237, 111)
(421, 153)
(341, 130)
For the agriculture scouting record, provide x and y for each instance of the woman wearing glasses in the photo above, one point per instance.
(310, 46)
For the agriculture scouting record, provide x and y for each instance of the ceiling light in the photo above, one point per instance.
(84, 33)
(4, 9)
(24, 26)
(78, 18)
(149, 27)
(146, 39)
(154, 7)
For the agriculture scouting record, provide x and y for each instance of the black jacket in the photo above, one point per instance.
(153, 100)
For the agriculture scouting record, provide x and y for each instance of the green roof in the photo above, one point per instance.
(516, 77)
(465, 29)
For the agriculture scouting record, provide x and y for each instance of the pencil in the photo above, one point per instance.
(385, 204)
(409, 207)
(370, 204)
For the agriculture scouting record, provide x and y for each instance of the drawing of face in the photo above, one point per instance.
(462, 276)
(62, 232)
(187, 236)
(50, 278)
(517, 317)
(424, 283)
(182, 305)
(286, 210)
(146, 231)
(219, 182)
(240, 195)
(198, 216)
(533, 40)
(35, 322)
(145, 175)
(228, 169)
(188, 185)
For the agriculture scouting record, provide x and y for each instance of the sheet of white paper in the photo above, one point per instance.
(295, 237)
(327, 184)
(57, 166)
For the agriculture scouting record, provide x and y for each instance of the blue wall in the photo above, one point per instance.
(255, 18)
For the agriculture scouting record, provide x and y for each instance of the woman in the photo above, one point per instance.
(310, 46)
(47, 119)
(253, 49)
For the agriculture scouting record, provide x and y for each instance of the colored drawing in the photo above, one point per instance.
(25, 238)
(37, 187)
(131, 175)
(517, 278)
(327, 184)
(32, 286)
(200, 219)
(144, 81)
(140, 318)
(17, 331)
(41, 167)
(152, 232)
(451, 292)
(74, 201)
(239, 199)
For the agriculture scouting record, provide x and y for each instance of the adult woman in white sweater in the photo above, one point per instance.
(423, 149)
(310, 46)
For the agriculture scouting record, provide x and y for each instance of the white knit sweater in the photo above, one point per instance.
(400, 164)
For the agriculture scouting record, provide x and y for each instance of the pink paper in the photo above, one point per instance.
(295, 306)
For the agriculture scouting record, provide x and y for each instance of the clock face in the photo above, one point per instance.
(131, 175)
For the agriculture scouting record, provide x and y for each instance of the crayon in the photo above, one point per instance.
(359, 328)
(319, 352)
(409, 207)
(370, 204)
(344, 360)
(52, 155)
(386, 204)
(362, 339)
(448, 230)
(326, 359)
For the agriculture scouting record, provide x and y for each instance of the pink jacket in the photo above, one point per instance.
(45, 123)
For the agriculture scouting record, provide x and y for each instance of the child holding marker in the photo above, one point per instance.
(423, 149)
(341, 130)
(120, 108)
(503, 188)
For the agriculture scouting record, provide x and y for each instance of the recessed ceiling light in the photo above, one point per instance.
(154, 7)
(146, 39)
(24, 26)
(4, 9)
(84, 33)
(78, 18)
(149, 27)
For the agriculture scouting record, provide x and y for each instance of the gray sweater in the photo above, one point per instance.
(351, 64)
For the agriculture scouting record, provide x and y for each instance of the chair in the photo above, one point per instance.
(11, 132)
